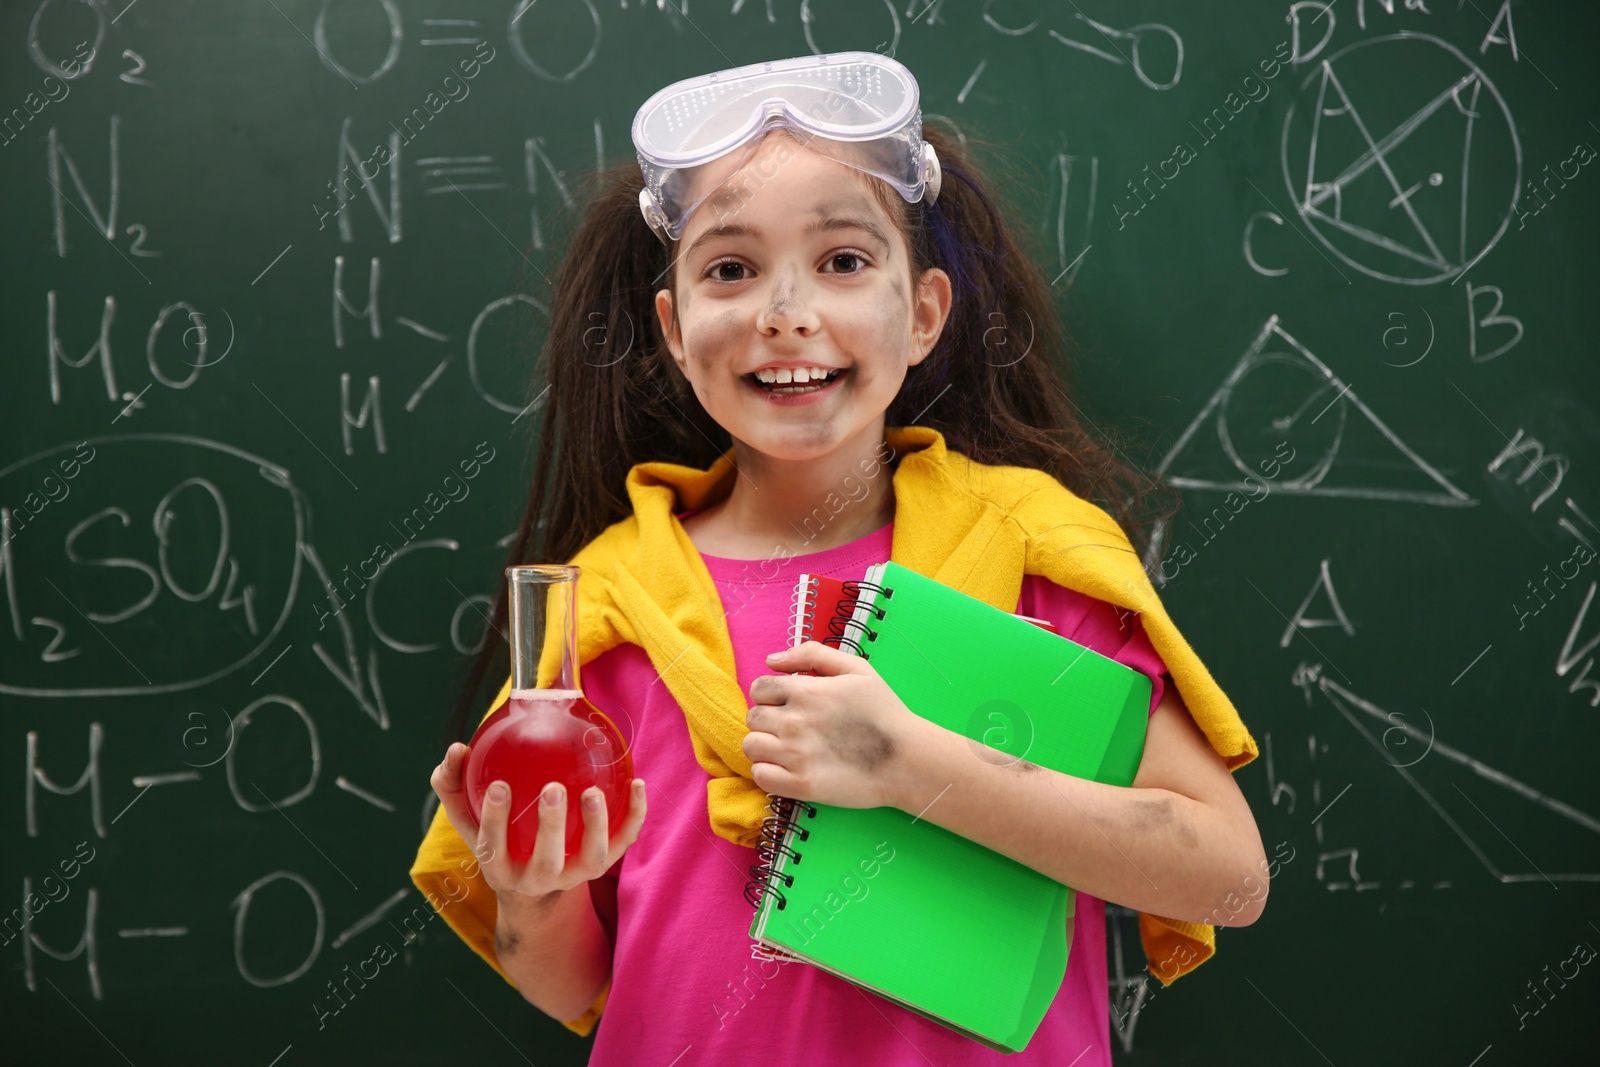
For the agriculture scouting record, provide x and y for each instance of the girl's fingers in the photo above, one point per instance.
(628, 832)
(592, 853)
(452, 768)
(550, 849)
(490, 848)
(548, 865)
(447, 781)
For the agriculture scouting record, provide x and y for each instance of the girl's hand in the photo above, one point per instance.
(840, 738)
(546, 872)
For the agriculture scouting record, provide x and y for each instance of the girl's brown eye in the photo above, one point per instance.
(849, 256)
(720, 271)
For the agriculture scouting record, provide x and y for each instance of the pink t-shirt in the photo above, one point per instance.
(685, 989)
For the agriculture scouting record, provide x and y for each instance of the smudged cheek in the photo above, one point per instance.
(876, 341)
(881, 320)
(716, 343)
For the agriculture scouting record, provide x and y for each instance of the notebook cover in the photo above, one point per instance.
(958, 932)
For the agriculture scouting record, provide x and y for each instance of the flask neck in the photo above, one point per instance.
(544, 632)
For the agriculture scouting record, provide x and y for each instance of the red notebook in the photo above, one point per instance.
(833, 600)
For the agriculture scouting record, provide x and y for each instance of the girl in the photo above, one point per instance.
(790, 364)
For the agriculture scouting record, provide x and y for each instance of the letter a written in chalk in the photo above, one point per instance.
(1300, 621)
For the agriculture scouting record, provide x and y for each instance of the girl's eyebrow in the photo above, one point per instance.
(820, 224)
(830, 223)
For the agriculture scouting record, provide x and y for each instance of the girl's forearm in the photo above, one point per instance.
(555, 950)
(1150, 849)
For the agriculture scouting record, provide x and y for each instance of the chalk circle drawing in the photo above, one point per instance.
(37, 49)
(551, 29)
(1402, 158)
(170, 562)
(1279, 392)
(274, 928)
(392, 32)
(506, 343)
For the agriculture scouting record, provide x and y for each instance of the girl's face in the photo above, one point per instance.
(793, 262)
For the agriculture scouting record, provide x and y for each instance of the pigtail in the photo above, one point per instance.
(609, 396)
(998, 382)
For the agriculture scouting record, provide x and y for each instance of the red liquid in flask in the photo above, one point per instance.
(549, 735)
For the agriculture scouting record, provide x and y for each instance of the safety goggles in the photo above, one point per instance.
(859, 108)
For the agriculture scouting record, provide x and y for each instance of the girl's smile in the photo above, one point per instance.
(788, 388)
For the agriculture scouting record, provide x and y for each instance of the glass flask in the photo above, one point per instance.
(546, 731)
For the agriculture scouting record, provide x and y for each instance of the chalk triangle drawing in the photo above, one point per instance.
(1375, 196)
(1360, 456)
(1409, 180)
(1354, 709)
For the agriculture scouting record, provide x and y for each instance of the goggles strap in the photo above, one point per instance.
(932, 174)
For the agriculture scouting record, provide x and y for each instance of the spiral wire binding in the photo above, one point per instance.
(776, 841)
(797, 628)
(782, 826)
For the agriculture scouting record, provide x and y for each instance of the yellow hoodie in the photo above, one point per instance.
(976, 527)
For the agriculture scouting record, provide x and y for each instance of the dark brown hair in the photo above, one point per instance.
(615, 398)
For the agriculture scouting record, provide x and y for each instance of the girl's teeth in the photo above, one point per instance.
(792, 375)
(796, 380)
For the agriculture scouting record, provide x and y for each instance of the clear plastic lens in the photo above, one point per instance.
(859, 108)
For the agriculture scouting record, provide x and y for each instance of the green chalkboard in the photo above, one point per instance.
(1329, 271)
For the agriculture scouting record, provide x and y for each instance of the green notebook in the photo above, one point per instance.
(907, 909)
